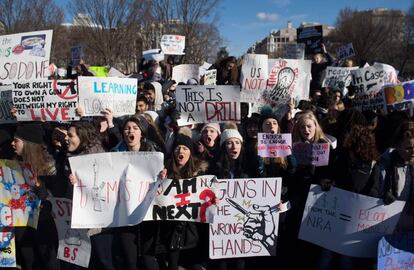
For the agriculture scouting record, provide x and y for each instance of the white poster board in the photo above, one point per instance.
(274, 145)
(74, 244)
(396, 251)
(19, 206)
(190, 199)
(173, 44)
(337, 77)
(210, 77)
(182, 73)
(347, 223)
(113, 189)
(98, 93)
(247, 212)
(288, 78)
(25, 56)
(153, 54)
(207, 104)
(7, 248)
(45, 100)
(253, 78)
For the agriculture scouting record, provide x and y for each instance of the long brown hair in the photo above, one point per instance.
(361, 142)
(88, 136)
(41, 161)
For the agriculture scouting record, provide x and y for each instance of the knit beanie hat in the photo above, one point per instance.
(213, 126)
(181, 139)
(230, 133)
(141, 123)
(30, 132)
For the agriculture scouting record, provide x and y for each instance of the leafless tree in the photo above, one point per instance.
(376, 35)
(195, 20)
(107, 28)
(29, 15)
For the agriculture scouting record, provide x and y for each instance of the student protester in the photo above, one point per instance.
(134, 140)
(397, 174)
(82, 140)
(166, 240)
(208, 147)
(142, 104)
(37, 247)
(227, 71)
(231, 165)
(318, 67)
(306, 130)
(356, 170)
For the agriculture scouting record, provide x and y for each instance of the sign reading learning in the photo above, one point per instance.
(99, 93)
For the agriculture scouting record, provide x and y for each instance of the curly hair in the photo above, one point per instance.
(361, 142)
(88, 136)
(40, 160)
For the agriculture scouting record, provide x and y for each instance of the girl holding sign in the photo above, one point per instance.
(171, 240)
(37, 246)
(83, 139)
(306, 130)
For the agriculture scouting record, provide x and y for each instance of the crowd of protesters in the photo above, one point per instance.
(371, 153)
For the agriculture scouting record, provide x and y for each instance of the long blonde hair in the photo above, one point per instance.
(319, 134)
(41, 161)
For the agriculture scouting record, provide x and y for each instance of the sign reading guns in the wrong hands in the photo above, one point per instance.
(208, 104)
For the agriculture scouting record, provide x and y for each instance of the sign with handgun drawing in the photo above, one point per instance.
(247, 218)
(113, 189)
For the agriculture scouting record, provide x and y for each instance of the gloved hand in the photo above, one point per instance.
(326, 184)
(388, 198)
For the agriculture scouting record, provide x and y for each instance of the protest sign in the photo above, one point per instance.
(203, 68)
(337, 77)
(312, 37)
(113, 189)
(117, 94)
(311, 153)
(25, 56)
(182, 73)
(345, 51)
(207, 104)
(74, 244)
(210, 77)
(390, 73)
(253, 76)
(274, 145)
(294, 51)
(76, 55)
(247, 218)
(184, 199)
(7, 248)
(153, 54)
(347, 223)
(99, 71)
(173, 44)
(6, 103)
(288, 78)
(46, 100)
(396, 251)
(113, 72)
(399, 97)
(368, 83)
(19, 205)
